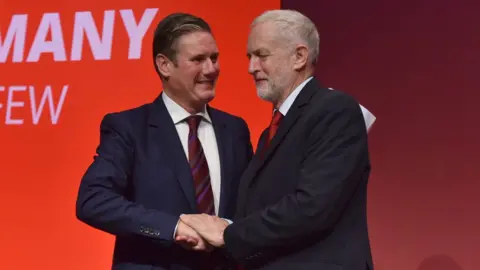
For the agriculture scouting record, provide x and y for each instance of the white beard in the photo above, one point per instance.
(267, 92)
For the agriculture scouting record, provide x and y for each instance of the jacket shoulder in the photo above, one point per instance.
(227, 117)
(129, 119)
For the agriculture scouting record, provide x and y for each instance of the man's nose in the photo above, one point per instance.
(210, 67)
(253, 65)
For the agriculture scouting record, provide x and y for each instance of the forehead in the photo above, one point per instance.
(196, 43)
(262, 36)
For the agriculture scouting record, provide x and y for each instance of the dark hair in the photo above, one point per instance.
(170, 29)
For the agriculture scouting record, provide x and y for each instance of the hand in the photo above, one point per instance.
(210, 228)
(189, 238)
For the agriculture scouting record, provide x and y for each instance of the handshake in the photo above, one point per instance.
(200, 232)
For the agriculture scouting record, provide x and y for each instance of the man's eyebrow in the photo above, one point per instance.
(258, 51)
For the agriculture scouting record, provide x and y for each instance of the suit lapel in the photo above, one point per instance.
(295, 111)
(225, 152)
(262, 140)
(164, 135)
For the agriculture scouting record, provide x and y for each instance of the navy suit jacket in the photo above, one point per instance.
(140, 183)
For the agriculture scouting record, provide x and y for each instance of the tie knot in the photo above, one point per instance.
(277, 116)
(194, 121)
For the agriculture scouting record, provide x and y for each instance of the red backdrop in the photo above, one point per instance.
(414, 64)
(82, 59)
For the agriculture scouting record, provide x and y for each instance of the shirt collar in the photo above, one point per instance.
(178, 113)
(285, 107)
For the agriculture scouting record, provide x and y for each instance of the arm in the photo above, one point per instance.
(335, 158)
(102, 200)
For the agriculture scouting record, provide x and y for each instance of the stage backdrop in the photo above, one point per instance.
(63, 65)
(414, 64)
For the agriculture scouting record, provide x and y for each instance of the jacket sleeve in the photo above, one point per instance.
(102, 200)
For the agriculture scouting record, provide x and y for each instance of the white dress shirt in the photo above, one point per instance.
(367, 115)
(206, 135)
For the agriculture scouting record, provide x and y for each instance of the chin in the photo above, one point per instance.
(206, 95)
(265, 94)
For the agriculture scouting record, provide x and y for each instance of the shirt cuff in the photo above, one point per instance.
(175, 230)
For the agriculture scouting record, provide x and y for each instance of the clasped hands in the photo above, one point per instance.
(200, 232)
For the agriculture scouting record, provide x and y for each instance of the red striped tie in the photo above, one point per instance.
(199, 168)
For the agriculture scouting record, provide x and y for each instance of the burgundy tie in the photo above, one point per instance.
(277, 116)
(272, 129)
(199, 168)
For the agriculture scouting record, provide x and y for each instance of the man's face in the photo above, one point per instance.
(271, 61)
(195, 74)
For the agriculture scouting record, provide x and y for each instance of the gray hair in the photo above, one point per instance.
(295, 27)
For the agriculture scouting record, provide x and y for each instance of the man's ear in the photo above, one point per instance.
(164, 65)
(301, 57)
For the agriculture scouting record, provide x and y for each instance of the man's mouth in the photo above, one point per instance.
(206, 82)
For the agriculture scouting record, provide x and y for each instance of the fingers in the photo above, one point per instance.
(189, 219)
(189, 239)
(207, 228)
(192, 244)
(186, 239)
(198, 222)
(185, 230)
(204, 248)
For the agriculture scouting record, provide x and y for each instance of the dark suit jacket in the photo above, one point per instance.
(303, 204)
(140, 183)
